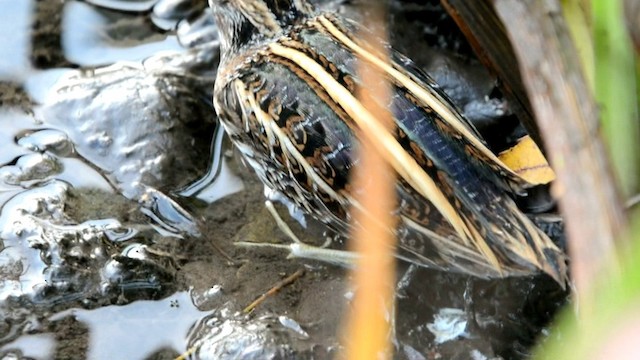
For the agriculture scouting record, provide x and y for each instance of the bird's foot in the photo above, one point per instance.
(299, 249)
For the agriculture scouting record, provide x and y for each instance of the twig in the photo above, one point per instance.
(277, 287)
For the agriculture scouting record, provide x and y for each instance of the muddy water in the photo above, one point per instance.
(121, 204)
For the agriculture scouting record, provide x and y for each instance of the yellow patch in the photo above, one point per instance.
(526, 159)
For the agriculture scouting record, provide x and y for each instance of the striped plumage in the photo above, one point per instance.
(285, 95)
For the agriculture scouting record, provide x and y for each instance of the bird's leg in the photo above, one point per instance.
(304, 251)
(299, 249)
(284, 227)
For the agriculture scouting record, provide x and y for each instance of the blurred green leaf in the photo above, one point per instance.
(578, 16)
(616, 91)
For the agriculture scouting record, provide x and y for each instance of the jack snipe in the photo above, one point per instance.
(285, 95)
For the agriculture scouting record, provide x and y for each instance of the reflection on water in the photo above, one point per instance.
(165, 324)
(167, 13)
(39, 346)
(91, 37)
(219, 180)
(52, 259)
(13, 123)
(448, 324)
(125, 5)
(223, 336)
(15, 19)
(121, 118)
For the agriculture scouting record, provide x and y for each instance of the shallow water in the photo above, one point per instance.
(120, 203)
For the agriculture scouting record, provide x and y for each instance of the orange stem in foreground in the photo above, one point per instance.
(368, 330)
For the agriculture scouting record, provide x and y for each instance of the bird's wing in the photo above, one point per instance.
(425, 93)
(291, 138)
(495, 231)
(460, 177)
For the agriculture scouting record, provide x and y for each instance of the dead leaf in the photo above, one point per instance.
(526, 159)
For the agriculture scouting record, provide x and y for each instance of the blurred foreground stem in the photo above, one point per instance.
(567, 115)
(368, 330)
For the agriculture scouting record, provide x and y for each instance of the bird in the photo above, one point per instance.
(285, 93)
